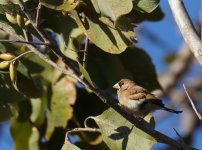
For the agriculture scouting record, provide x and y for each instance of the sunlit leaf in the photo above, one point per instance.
(146, 6)
(68, 146)
(10, 1)
(60, 111)
(38, 111)
(118, 133)
(113, 8)
(24, 134)
(108, 39)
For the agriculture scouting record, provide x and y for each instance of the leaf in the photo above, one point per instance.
(120, 134)
(25, 84)
(73, 44)
(68, 5)
(68, 146)
(3, 2)
(60, 111)
(137, 16)
(106, 69)
(85, 74)
(7, 92)
(24, 135)
(107, 38)
(146, 6)
(23, 132)
(113, 8)
(38, 111)
(5, 112)
(60, 24)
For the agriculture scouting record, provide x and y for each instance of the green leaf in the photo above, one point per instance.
(25, 84)
(106, 69)
(68, 5)
(60, 111)
(3, 2)
(5, 112)
(68, 146)
(119, 134)
(85, 73)
(8, 94)
(146, 6)
(24, 135)
(108, 38)
(38, 111)
(60, 24)
(113, 8)
(72, 47)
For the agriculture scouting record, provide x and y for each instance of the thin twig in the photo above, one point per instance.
(186, 27)
(181, 139)
(31, 18)
(25, 34)
(72, 65)
(192, 103)
(85, 54)
(38, 14)
(11, 32)
(75, 130)
(25, 42)
(21, 55)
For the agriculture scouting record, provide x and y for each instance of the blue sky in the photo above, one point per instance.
(166, 30)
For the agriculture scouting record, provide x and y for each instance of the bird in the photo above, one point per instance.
(138, 100)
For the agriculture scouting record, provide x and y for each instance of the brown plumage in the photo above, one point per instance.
(138, 100)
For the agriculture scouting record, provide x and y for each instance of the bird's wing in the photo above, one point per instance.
(139, 93)
(136, 93)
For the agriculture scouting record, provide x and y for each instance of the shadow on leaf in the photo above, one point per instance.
(122, 133)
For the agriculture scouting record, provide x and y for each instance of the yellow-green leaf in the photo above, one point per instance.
(118, 133)
(60, 111)
(105, 37)
(68, 146)
(113, 8)
(85, 74)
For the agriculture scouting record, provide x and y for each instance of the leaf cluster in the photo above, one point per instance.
(43, 103)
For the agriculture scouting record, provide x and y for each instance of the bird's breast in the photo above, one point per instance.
(134, 105)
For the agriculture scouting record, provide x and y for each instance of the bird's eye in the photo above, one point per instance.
(121, 83)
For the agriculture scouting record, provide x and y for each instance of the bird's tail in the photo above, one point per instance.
(171, 110)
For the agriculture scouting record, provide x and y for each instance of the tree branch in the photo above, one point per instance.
(25, 42)
(176, 70)
(186, 27)
(85, 55)
(11, 32)
(141, 124)
(192, 103)
(75, 130)
(38, 14)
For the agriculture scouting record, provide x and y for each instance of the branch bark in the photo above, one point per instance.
(176, 70)
(186, 28)
(192, 103)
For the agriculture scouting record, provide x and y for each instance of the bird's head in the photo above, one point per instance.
(123, 84)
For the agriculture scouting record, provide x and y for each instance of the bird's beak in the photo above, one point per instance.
(116, 86)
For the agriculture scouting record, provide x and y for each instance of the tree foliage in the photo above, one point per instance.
(43, 103)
